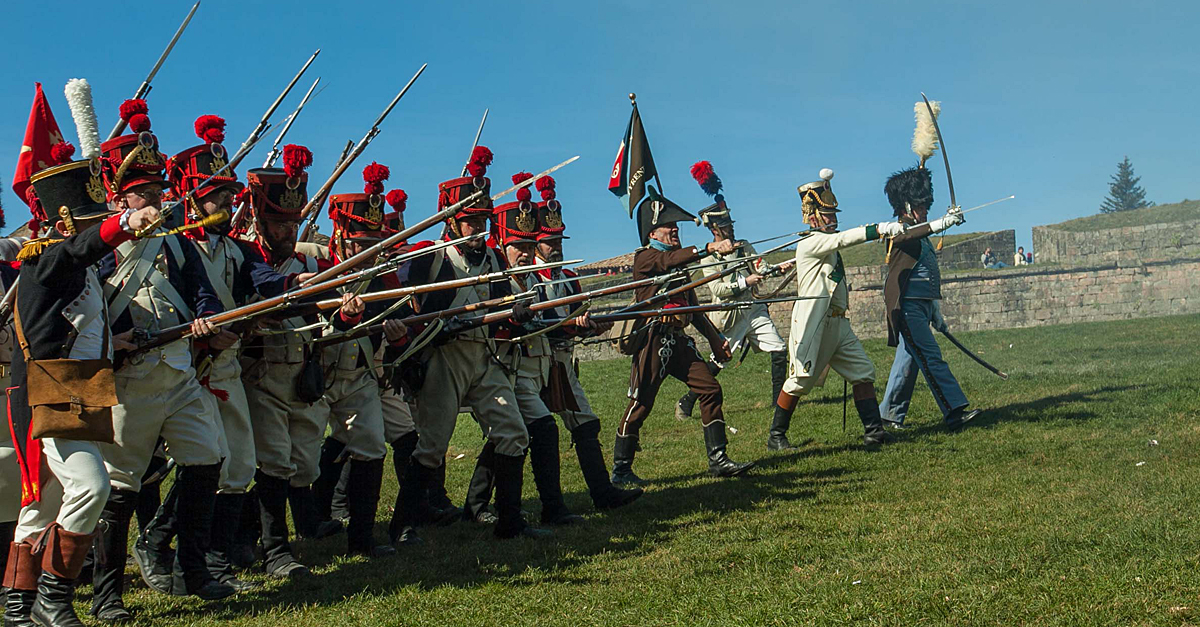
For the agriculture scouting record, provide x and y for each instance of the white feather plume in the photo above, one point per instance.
(79, 98)
(925, 139)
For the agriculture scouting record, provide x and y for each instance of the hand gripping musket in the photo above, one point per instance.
(145, 87)
(392, 240)
(264, 123)
(291, 119)
(283, 301)
(314, 203)
(979, 360)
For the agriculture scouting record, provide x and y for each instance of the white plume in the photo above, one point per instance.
(925, 139)
(79, 98)
(826, 174)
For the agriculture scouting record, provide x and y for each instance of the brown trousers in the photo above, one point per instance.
(668, 351)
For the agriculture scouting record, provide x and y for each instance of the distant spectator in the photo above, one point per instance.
(1020, 259)
(990, 262)
(1029, 258)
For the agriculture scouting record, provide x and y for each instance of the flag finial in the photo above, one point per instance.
(632, 97)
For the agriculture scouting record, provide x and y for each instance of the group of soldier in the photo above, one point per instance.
(297, 408)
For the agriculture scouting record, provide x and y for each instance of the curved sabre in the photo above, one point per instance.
(942, 142)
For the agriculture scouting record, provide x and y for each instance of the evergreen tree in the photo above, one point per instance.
(1124, 193)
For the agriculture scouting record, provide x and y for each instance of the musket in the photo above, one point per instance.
(476, 142)
(273, 304)
(264, 122)
(310, 227)
(392, 240)
(145, 87)
(6, 304)
(314, 204)
(275, 151)
(667, 311)
(979, 360)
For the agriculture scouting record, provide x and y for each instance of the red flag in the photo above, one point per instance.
(41, 133)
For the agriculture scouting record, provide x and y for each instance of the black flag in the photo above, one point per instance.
(634, 165)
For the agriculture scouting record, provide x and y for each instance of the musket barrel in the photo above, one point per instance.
(263, 122)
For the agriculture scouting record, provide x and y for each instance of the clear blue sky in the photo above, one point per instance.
(1040, 99)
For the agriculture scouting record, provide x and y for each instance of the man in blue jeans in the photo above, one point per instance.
(912, 296)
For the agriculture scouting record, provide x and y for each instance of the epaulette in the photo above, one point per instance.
(34, 247)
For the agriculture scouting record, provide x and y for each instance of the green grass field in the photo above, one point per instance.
(1073, 501)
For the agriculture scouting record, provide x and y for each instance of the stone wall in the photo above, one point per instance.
(1128, 245)
(965, 255)
(1021, 297)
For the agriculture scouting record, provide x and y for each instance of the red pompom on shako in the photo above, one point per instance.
(295, 159)
(397, 199)
(61, 153)
(210, 128)
(374, 175)
(457, 189)
(545, 187)
(481, 158)
(132, 159)
(517, 221)
(704, 174)
(134, 113)
(550, 222)
(523, 194)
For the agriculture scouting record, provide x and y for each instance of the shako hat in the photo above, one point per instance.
(550, 220)
(280, 193)
(456, 189)
(716, 214)
(655, 210)
(360, 216)
(192, 167)
(133, 159)
(517, 221)
(72, 190)
(818, 196)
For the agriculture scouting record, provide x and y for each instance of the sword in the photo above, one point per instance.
(945, 160)
(145, 87)
(979, 360)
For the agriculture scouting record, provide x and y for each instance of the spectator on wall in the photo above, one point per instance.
(989, 261)
(1019, 259)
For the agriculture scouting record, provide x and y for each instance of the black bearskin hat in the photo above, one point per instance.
(913, 186)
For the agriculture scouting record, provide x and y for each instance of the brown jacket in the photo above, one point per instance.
(904, 249)
(649, 262)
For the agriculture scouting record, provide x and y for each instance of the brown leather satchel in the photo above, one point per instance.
(69, 398)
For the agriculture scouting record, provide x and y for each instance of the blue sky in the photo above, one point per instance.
(1039, 99)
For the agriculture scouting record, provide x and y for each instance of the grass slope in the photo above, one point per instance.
(1175, 212)
(1057, 508)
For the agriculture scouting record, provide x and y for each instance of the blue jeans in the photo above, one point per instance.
(919, 351)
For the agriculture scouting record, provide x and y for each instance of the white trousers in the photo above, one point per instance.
(74, 489)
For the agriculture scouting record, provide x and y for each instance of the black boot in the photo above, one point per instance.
(442, 510)
(18, 605)
(719, 464)
(362, 497)
(62, 559)
(150, 496)
(227, 515)
(245, 537)
(339, 509)
(108, 574)
(479, 490)
(402, 450)
(272, 507)
(623, 451)
(152, 550)
(305, 517)
(779, 373)
(591, 462)
(408, 503)
(873, 431)
(777, 439)
(546, 464)
(333, 461)
(194, 521)
(510, 473)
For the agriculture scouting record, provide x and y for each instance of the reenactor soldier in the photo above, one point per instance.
(10, 471)
(528, 364)
(576, 411)
(61, 327)
(237, 272)
(460, 369)
(912, 295)
(152, 284)
(743, 327)
(281, 370)
(352, 391)
(660, 347)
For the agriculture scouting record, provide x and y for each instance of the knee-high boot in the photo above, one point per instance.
(62, 559)
(333, 460)
(362, 497)
(272, 508)
(402, 450)
(194, 519)
(785, 406)
(546, 464)
(408, 503)
(623, 451)
(304, 515)
(595, 473)
(227, 516)
(479, 490)
(21, 573)
(719, 464)
(245, 536)
(108, 574)
(510, 474)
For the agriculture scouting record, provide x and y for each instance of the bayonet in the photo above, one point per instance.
(275, 151)
(145, 87)
(478, 133)
(264, 122)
